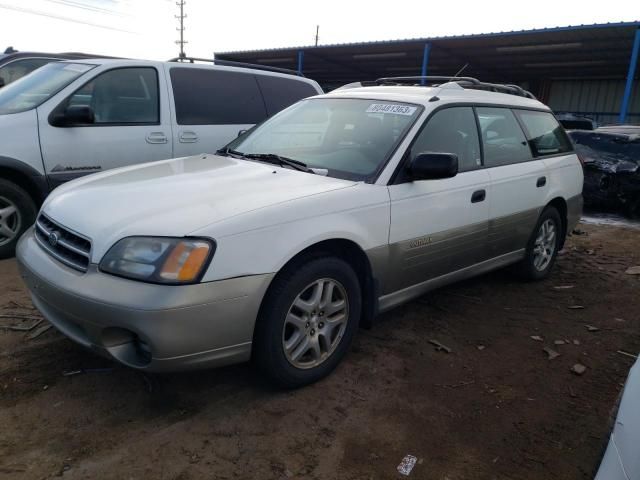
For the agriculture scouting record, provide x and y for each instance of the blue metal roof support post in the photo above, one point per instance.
(425, 61)
(633, 62)
(300, 60)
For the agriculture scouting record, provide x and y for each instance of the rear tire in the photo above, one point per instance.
(543, 246)
(17, 213)
(308, 320)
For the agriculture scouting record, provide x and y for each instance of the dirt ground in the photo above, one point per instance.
(494, 408)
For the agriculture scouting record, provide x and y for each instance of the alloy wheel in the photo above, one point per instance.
(10, 221)
(315, 323)
(544, 246)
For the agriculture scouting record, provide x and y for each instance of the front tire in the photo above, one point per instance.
(543, 246)
(308, 321)
(17, 213)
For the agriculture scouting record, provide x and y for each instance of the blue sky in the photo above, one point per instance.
(147, 28)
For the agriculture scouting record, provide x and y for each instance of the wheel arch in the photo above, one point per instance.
(353, 254)
(560, 204)
(26, 177)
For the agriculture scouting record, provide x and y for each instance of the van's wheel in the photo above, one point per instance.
(308, 321)
(543, 246)
(17, 213)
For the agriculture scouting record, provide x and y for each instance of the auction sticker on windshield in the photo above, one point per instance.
(391, 108)
(78, 67)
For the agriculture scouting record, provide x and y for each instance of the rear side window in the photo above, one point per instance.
(545, 134)
(216, 97)
(452, 130)
(280, 92)
(502, 138)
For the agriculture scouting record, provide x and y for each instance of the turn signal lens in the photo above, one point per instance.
(185, 262)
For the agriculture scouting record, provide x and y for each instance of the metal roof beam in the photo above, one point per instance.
(633, 63)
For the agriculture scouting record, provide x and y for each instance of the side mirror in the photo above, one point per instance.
(432, 166)
(74, 115)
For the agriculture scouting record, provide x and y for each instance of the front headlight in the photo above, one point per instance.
(159, 259)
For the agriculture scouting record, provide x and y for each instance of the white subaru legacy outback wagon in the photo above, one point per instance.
(277, 247)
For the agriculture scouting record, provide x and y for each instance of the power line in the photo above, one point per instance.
(60, 17)
(91, 8)
(182, 16)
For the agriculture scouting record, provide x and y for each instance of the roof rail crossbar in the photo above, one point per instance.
(229, 63)
(427, 79)
(464, 82)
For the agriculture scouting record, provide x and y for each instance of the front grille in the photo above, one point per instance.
(62, 244)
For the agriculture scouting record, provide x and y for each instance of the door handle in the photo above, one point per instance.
(188, 137)
(478, 196)
(542, 181)
(156, 137)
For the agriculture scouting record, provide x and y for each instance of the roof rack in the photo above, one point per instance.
(230, 63)
(464, 82)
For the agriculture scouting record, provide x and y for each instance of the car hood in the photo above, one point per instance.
(175, 197)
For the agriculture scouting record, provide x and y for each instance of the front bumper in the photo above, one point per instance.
(145, 326)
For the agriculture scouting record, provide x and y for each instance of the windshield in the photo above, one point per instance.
(38, 86)
(351, 138)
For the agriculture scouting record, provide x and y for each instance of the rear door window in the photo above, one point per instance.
(503, 140)
(216, 97)
(545, 134)
(280, 92)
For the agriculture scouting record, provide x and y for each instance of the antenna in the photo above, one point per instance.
(181, 17)
(461, 70)
(317, 31)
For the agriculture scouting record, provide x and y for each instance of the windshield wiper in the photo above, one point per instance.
(227, 151)
(269, 158)
(279, 160)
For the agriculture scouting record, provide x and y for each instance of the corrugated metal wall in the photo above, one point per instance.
(597, 99)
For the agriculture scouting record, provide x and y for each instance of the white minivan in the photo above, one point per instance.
(69, 119)
(279, 246)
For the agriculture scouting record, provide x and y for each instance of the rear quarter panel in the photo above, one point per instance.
(565, 177)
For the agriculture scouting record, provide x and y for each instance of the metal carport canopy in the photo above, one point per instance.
(581, 51)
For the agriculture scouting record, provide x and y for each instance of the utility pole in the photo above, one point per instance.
(181, 17)
(317, 31)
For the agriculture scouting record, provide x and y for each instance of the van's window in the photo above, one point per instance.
(545, 134)
(39, 86)
(502, 138)
(452, 130)
(122, 96)
(281, 92)
(216, 97)
(17, 69)
(351, 138)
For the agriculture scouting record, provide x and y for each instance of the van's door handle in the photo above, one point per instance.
(156, 137)
(478, 196)
(188, 137)
(542, 181)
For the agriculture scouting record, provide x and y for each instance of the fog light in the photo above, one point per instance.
(143, 350)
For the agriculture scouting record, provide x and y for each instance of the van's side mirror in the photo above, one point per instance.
(73, 115)
(432, 166)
